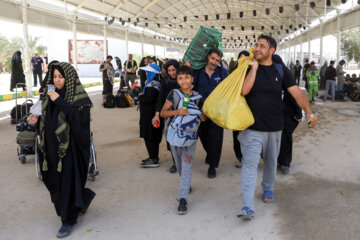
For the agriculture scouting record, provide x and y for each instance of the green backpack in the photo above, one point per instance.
(205, 40)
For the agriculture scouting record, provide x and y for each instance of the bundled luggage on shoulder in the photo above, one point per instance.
(205, 40)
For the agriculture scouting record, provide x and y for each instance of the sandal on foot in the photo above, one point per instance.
(246, 215)
(268, 194)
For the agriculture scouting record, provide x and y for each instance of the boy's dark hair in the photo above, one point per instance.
(216, 51)
(270, 40)
(186, 70)
(342, 62)
(332, 62)
(312, 63)
(246, 53)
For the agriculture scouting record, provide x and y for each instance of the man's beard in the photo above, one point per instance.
(261, 57)
(212, 66)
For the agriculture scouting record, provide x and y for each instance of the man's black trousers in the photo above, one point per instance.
(37, 74)
(285, 155)
(236, 146)
(211, 136)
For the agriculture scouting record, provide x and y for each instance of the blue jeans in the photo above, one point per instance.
(330, 83)
(253, 143)
(184, 157)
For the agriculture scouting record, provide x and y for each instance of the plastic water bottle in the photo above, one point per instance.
(311, 119)
(186, 101)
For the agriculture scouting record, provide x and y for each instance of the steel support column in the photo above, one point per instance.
(28, 78)
(74, 42)
(338, 38)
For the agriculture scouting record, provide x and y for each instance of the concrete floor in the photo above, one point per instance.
(318, 200)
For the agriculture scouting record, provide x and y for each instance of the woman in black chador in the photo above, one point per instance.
(65, 144)
(17, 71)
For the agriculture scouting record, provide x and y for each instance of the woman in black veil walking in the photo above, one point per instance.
(17, 71)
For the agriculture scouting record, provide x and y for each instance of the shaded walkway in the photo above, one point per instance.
(317, 201)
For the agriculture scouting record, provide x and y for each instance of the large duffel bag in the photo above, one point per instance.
(121, 100)
(109, 101)
(205, 40)
(26, 137)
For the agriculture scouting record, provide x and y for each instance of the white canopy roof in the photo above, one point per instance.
(177, 21)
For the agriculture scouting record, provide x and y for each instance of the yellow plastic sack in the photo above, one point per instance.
(225, 106)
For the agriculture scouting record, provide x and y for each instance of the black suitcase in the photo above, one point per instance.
(20, 110)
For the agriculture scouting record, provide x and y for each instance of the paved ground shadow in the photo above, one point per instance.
(332, 212)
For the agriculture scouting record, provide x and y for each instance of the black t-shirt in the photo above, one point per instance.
(298, 70)
(330, 73)
(265, 98)
(130, 64)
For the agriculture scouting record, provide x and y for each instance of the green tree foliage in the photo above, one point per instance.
(350, 45)
(9, 46)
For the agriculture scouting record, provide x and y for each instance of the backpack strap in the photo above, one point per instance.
(178, 95)
(280, 69)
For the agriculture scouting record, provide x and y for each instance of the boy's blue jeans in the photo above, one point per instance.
(253, 143)
(183, 157)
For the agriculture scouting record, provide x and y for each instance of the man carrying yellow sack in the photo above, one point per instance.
(262, 88)
(312, 76)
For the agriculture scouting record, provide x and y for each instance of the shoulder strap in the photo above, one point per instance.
(181, 95)
(196, 97)
(280, 69)
(177, 96)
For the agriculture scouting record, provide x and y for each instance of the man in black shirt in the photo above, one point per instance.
(108, 74)
(263, 88)
(130, 68)
(306, 66)
(297, 72)
(211, 135)
(330, 75)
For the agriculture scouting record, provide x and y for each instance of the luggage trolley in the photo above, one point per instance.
(92, 171)
(27, 139)
(27, 142)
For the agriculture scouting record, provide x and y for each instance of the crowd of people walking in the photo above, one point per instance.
(171, 100)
